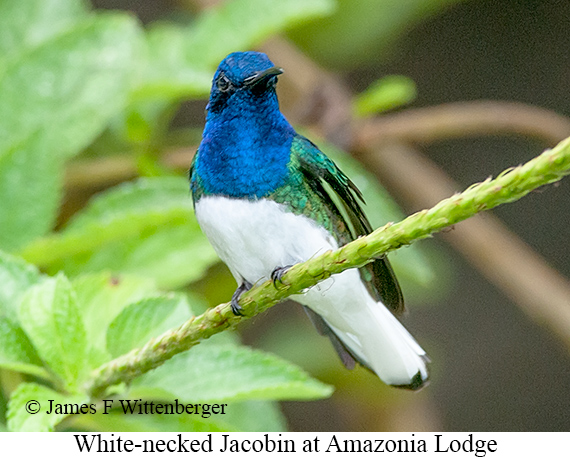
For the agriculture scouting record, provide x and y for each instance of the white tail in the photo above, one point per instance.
(368, 330)
(382, 343)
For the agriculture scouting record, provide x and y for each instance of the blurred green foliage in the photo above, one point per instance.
(72, 79)
(361, 31)
(146, 227)
(385, 94)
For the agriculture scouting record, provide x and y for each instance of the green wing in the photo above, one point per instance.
(347, 219)
(195, 182)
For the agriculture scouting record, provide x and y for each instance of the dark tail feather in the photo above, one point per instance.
(347, 357)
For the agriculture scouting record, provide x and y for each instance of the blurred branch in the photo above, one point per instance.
(458, 120)
(86, 174)
(314, 96)
(511, 185)
(90, 174)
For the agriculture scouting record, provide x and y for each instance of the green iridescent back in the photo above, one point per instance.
(317, 189)
(300, 196)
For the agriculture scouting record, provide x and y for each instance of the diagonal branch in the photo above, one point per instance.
(509, 263)
(509, 186)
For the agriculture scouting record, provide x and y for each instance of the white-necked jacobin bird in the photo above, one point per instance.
(264, 197)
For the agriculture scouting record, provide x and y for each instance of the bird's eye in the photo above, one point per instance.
(224, 84)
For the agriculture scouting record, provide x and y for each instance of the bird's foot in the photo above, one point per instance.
(236, 308)
(278, 273)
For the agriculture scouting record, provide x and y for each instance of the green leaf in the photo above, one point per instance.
(68, 87)
(19, 420)
(102, 296)
(168, 74)
(17, 352)
(172, 254)
(50, 317)
(3, 409)
(181, 59)
(242, 24)
(228, 373)
(256, 416)
(26, 24)
(146, 319)
(30, 186)
(146, 228)
(16, 276)
(57, 96)
(385, 94)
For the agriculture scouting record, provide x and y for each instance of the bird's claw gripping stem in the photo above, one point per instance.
(236, 308)
(278, 273)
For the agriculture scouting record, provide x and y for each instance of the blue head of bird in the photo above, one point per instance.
(246, 141)
(243, 81)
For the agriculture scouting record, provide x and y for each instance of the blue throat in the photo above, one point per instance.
(245, 147)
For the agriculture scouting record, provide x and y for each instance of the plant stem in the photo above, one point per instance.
(509, 186)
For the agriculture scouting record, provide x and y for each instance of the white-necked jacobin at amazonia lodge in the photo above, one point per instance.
(262, 195)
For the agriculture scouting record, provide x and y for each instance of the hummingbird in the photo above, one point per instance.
(267, 198)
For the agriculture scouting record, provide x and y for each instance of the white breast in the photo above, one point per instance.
(255, 237)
